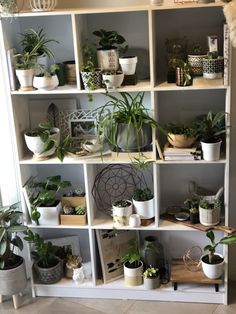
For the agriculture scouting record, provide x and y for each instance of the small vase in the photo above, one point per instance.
(180, 78)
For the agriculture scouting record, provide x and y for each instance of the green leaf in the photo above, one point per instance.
(3, 247)
(17, 242)
(229, 239)
(19, 228)
(211, 236)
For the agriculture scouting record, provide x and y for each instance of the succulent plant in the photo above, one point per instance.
(73, 261)
(67, 210)
(80, 210)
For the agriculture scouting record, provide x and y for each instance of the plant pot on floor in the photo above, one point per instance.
(49, 275)
(121, 212)
(215, 269)
(211, 151)
(128, 64)
(25, 78)
(133, 276)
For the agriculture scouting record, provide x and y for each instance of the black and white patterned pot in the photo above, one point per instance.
(195, 61)
(213, 68)
(92, 80)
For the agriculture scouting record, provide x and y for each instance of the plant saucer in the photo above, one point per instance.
(182, 216)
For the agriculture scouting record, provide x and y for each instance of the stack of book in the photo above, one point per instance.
(174, 153)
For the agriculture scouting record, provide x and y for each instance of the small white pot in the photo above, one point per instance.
(145, 209)
(211, 151)
(25, 78)
(133, 276)
(213, 271)
(128, 64)
(45, 82)
(134, 220)
(151, 283)
(113, 81)
(209, 217)
(108, 60)
(121, 215)
(49, 215)
(36, 146)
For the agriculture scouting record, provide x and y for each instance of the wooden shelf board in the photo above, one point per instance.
(180, 274)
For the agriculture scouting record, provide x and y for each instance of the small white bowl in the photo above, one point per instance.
(92, 146)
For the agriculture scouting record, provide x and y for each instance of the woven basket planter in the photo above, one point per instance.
(43, 5)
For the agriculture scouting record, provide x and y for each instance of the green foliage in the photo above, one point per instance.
(133, 256)
(187, 72)
(142, 194)
(8, 7)
(151, 272)
(212, 55)
(26, 60)
(206, 204)
(122, 203)
(110, 39)
(52, 70)
(80, 210)
(229, 239)
(188, 131)
(211, 126)
(10, 225)
(37, 41)
(192, 205)
(127, 109)
(89, 56)
(44, 252)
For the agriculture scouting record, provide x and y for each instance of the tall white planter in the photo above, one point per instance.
(213, 271)
(49, 215)
(128, 64)
(121, 215)
(211, 151)
(133, 276)
(25, 78)
(209, 217)
(145, 209)
(108, 60)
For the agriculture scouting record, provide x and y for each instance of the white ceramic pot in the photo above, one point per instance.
(36, 146)
(49, 215)
(211, 151)
(45, 82)
(134, 220)
(180, 140)
(128, 64)
(108, 60)
(43, 5)
(133, 276)
(157, 2)
(145, 209)
(209, 217)
(121, 215)
(213, 271)
(151, 283)
(25, 78)
(113, 81)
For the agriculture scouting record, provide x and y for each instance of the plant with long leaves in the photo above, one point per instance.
(211, 248)
(127, 109)
(10, 225)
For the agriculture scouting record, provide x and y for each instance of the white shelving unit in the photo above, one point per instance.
(145, 28)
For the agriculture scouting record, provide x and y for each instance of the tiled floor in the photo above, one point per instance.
(95, 306)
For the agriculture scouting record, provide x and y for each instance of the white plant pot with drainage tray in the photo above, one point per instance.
(211, 151)
(128, 64)
(25, 78)
(214, 270)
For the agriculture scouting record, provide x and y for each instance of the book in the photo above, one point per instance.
(226, 53)
(170, 150)
(11, 68)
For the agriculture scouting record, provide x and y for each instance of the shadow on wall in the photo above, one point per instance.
(142, 69)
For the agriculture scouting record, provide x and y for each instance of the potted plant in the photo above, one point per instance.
(184, 75)
(124, 122)
(12, 267)
(46, 80)
(110, 43)
(151, 278)
(112, 79)
(133, 266)
(37, 41)
(193, 207)
(211, 127)
(213, 66)
(43, 141)
(195, 59)
(46, 206)
(213, 263)
(73, 209)
(48, 267)
(209, 212)
(180, 135)
(128, 64)
(121, 211)
(8, 7)
(91, 76)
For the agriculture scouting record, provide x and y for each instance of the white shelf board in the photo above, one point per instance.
(190, 5)
(171, 226)
(67, 283)
(58, 227)
(196, 162)
(198, 83)
(66, 89)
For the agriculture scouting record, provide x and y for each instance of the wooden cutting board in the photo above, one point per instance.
(198, 226)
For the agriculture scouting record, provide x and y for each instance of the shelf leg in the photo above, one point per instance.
(1, 298)
(217, 287)
(175, 286)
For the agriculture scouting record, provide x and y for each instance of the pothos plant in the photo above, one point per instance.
(133, 258)
(10, 225)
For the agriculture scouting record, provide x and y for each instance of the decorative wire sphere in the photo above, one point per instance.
(116, 182)
(192, 258)
(43, 5)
